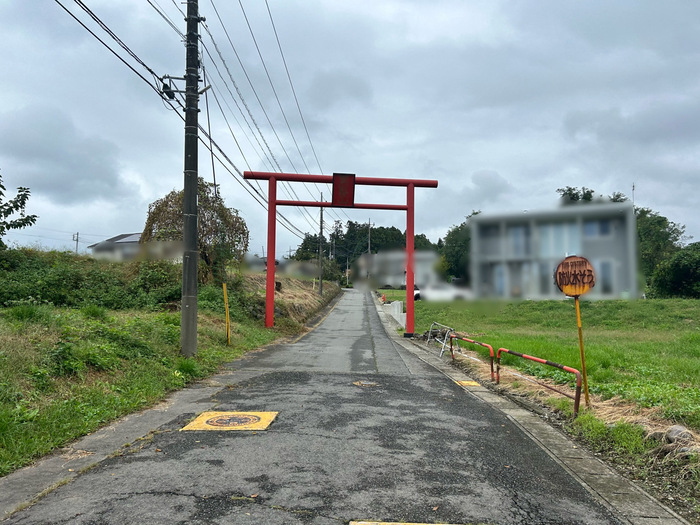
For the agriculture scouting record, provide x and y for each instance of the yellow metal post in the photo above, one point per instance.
(583, 355)
(228, 319)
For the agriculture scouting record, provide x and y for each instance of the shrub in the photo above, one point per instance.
(93, 311)
(65, 279)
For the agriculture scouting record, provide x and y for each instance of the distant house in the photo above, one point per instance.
(126, 247)
(515, 255)
(255, 263)
(123, 247)
(387, 269)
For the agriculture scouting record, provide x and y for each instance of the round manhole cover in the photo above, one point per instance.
(234, 420)
(365, 383)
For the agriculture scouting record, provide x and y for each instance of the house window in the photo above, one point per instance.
(490, 241)
(597, 228)
(519, 240)
(499, 280)
(559, 240)
(546, 278)
(605, 277)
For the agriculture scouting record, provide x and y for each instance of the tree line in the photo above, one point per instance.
(670, 267)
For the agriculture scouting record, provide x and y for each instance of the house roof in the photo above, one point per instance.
(587, 210)
(119, 239)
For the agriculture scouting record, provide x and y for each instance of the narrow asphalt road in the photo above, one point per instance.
(365, 431)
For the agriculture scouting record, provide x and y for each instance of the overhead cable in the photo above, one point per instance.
(279, 103)
(285, 185)
(286, 223)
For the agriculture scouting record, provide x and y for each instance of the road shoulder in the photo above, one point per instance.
(611, 489)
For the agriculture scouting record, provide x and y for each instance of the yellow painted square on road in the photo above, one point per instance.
(467, 383)
(392, 523)
(232, 421)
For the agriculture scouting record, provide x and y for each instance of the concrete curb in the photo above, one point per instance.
(621, 496)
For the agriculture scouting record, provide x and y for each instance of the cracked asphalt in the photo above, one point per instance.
(408, 445)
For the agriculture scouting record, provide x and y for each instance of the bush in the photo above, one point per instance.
(65, 279)
(92, 311)
(679, 276)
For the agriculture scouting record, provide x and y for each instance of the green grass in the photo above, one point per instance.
(646, 352)
(66, 372)
(83, 342)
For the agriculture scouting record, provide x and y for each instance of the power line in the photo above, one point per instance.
(114, 36)
(272, 127)
(216, 99)
(165, 17)
(286, 186)
(240, 95)
(274, 91)
(245, 184)
(281, 218)
(178, 8)
(291, 84)
(110, 49)
(272, 85)
(296, 100)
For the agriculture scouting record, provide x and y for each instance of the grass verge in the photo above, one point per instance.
(65, 372)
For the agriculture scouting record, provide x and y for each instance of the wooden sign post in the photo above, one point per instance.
(574, 276)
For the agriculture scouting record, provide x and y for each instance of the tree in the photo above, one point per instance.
(390, 238)
(421, 242)
(308, 249)
(679, 275)
(618, 197)
(570, 194)
(659, 239)
(443, 268)
(331, 270)
(456, 249)
(222, 233)
(11, 206)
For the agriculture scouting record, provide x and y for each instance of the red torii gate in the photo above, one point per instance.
(343, 197)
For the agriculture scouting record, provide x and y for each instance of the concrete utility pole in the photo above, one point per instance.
(76, 238)
(320, 255)
(190, 258)
(369, 236)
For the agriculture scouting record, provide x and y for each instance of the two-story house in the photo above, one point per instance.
(514, 255)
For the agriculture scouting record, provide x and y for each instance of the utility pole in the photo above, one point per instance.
(369, 236)
(190, 257)
(76, 238)
(320, 255)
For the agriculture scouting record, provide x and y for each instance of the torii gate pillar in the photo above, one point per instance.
(343, 197)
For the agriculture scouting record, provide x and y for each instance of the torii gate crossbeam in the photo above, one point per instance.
(343, 197)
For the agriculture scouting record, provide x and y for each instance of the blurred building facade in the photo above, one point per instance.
(127, 247)
(514, 255)
(387, 269)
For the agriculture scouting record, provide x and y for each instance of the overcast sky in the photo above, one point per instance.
(501, 102)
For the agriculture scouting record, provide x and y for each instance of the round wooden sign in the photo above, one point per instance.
(574, 276)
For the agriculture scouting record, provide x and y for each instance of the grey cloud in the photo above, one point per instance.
(331, 87)
(55, 159)
(675, 122)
